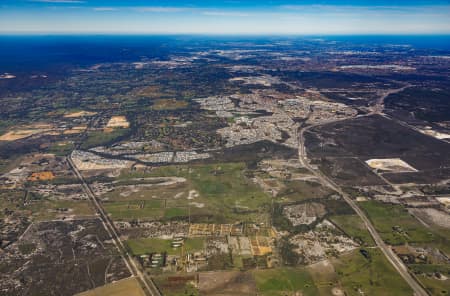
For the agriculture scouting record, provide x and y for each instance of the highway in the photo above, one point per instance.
(387, 251)
(148, 283)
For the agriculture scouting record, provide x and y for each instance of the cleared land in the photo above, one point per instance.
(21, 134)
(390, 165)
(79, 114)
(125, 287)
(168, 104)
(118, 122)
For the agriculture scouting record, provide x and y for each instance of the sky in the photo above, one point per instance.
(338, 17)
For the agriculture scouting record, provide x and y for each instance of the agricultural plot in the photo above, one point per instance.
(274, 282)
(155, 245)
(366, 271)
(325, 278)
(218, 193)
(302, 190)
(396, 226)
(353, 226)
(434, 277)
(125, 287)
(227, 283)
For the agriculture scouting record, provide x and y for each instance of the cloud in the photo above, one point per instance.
(226, 13)
(175, 9)
(166, 9)
(105, 9)
(349, 8)
(59, 1)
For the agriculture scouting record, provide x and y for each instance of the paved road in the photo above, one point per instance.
(109, 227)
(387, 251)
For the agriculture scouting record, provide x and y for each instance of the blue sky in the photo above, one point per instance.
(224, 17)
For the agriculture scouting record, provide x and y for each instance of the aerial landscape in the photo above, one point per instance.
(217, 164)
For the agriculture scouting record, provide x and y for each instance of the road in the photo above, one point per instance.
(148, 283)
(379, 104)
(387, 251)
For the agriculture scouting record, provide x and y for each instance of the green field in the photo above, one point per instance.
(372, 276)
(43, 209)
(396, 226)
(386, 217)
(225, 194)
(98, 138)
(133, 209)
(353, 226)
(156, 245)
(61, 148)
(425, 273)
(47, 209)
(324, 277)
(296, 191)
(168, 104)
(284, 281)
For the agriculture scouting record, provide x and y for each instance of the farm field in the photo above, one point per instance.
(353, 226)
(396, 226)
(125, 287)
(278, 282)
(155, 245)
(369, 273)
(214, 193)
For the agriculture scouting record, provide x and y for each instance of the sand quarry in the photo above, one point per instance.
(390, 165)
(118, 121)
(79, 114)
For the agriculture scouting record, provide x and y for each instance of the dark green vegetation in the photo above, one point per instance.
(71, 242)
(429, 104)
(377, 137)
(349, 172)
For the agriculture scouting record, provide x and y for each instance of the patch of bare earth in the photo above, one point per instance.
(432, 216)
(228, 283)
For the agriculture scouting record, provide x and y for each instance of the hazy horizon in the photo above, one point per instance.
(338, 17)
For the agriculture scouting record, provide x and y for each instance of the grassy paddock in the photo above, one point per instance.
(125, 287)
(156, 245)
(353, 226)
(284, 281)
(372, 275)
